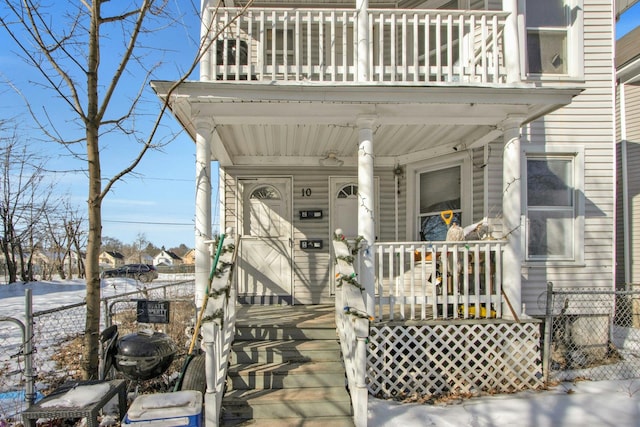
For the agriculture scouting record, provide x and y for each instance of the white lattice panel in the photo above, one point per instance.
(444, 358)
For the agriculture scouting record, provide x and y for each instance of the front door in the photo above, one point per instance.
(264, 261)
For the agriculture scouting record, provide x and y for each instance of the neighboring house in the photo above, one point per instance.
(166, 257)
(140, 259)
(388, 123)
(628, 151)
(189, 258)
(111, 259)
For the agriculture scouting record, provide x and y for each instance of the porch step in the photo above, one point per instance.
(286, 332)
(277, 351)
(277, 404)
(287, 375)
(286, 370)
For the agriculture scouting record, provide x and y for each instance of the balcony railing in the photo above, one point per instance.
(439, 280)
(321, 45)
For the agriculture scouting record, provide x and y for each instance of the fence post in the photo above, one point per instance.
(29, 392)
(546, 351)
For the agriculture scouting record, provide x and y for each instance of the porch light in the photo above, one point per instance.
(331, 160)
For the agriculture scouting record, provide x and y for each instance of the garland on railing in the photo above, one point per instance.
(218, 292)
(349, 259)
(350, 279)
(357, 313)
(218, 314)
(357, 245)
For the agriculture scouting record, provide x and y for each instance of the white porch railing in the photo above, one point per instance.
(352, 323)
(320, 45)
(439, 280)
(218, 330)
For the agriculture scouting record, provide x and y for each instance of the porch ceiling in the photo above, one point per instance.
(298, 124)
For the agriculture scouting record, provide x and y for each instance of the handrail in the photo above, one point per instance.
(218, 329)
(352, 322)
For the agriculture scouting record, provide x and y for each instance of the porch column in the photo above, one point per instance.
(512, 41)
(366, 208)
(204, 129)
(362, 6)
(511, 216)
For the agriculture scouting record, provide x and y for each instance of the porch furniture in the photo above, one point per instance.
(89, 411)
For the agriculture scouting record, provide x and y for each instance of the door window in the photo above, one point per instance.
(265, 213)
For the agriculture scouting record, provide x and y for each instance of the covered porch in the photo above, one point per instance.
(281, 126)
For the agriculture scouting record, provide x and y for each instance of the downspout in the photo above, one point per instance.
(625, 185)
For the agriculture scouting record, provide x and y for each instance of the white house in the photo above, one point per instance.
(387, 120)
(165, 257)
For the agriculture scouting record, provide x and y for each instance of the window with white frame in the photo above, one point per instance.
(553, 207)
(554, 37)
(440, 191)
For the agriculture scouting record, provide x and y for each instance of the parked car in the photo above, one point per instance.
(142, 272)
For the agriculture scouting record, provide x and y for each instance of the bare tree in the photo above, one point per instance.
(138, 246)
(65, 240)
(24, 196)
(67, 50)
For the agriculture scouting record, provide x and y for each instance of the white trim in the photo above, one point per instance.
(414, 170)
(577, 152)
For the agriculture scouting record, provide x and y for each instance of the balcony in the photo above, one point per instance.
(400, 47)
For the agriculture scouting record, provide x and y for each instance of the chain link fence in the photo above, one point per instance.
(592, 334)
(12, 366)
(57, 339)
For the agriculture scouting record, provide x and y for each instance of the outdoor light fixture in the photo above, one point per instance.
(331, 160)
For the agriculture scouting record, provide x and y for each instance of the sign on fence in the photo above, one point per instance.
(152, 311)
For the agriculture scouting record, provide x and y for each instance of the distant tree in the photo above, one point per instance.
(112, 244)
(65, 240)
(152, 250)
(180, 250)
(138, 246)
(24, 198)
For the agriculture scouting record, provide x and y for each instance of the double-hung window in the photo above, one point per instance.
(554, 207)
(554, 37)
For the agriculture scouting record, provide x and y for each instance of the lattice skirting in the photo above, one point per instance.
(464, 357)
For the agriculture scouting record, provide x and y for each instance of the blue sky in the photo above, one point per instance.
(158, 200)
(628, 21)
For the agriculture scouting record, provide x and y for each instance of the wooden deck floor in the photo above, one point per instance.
(301, 316)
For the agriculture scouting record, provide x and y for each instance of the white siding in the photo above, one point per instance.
(588, 122)
(312, 268)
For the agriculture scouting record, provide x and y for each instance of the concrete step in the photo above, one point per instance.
(249, 332)
(286, 403)
(286, 375)
(285, 351)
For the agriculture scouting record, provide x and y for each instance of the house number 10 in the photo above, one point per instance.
(306, 192)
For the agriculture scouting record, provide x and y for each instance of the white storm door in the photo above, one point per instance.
(265, 252)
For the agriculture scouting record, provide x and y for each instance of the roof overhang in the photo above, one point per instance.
(298, 123)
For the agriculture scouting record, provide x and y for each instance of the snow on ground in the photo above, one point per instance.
(580, 404)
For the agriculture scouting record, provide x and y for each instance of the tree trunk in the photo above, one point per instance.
(92, 326)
